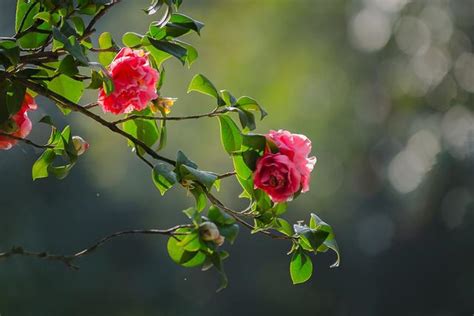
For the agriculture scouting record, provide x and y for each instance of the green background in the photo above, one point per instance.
(384, 89)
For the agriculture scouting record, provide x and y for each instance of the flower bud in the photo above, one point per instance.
(209, 231)
(164, 104)
(219, 241)
(80, 145)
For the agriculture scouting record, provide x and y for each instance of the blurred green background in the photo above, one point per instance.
(385, 90)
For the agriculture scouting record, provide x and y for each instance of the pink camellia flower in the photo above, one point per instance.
(134, 83)
(283, 174)
(19, 125)
(297, 147)
(278, 176)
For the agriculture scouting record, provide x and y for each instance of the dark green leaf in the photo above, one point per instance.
(163, 177)
(181, 159)
(204, 177)
(170, 48)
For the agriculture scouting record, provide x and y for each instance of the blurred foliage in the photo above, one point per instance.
(385, 91)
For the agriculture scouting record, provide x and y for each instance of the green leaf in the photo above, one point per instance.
(163, 177)
(248, 104)
(78, 24)
(315, 238)
(190, 242)
(67, 87)
(254, 141)
(284, 227)
(9, 53)
(106, 42)
(68, 66)
(219, 217)
(191, 53)
(40, 167)
(216, 260)
(230, 134)
(330, 242)
(61, 172)
(144, 130)
(228, 98)
(180, 255)
(158, 55)
(200, 196)
(186, 22)
(25, 13)
(47, 120)
(131, 39)
(45, 16)
(15, 96)
(171, 48)
(181, 159)
(204, 177)
(96, 80)
(230, 232)
(71, 45)
(201, 84)
(301, 267)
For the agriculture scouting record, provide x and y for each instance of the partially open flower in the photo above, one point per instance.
(19, 125)
(209, 231)
(80, 145)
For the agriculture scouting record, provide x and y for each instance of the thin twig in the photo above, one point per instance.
(226, 175)
(69, 259)
(90, 27)
(26, 141)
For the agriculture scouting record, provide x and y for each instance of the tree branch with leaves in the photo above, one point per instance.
(52, 55)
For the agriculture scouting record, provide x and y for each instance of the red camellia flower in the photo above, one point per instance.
(134, 83)
(19, 125)
(283, 174)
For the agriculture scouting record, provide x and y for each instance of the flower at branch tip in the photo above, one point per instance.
(19, 125)
(134, 83)
(163, 104)
(80, 145)
(283, 174)
(210, 232)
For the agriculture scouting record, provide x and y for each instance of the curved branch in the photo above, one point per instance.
(69, 259)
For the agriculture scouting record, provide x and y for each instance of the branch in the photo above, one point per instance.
(69, 259)
(226, 175)
(170, 118)
(26, 141)
(90, 27)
